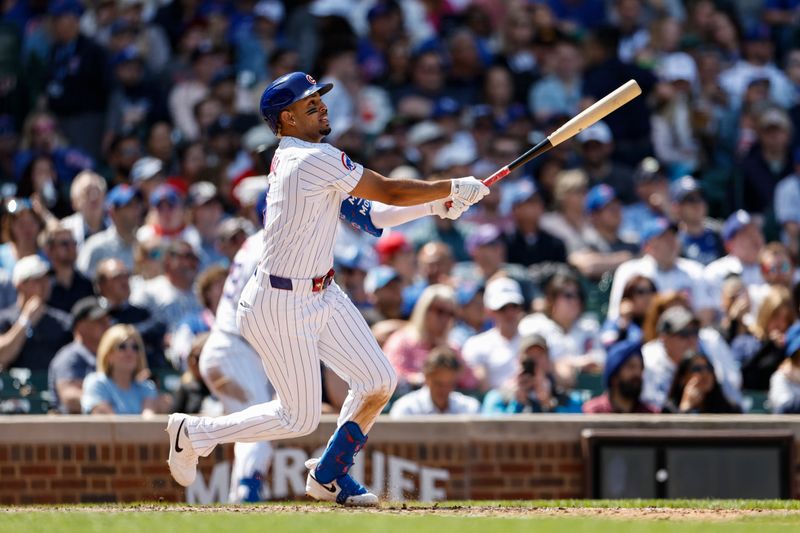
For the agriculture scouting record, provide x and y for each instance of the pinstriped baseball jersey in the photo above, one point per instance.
(244, 264)
(307, 184)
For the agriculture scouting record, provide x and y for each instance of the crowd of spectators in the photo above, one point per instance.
(647, 265)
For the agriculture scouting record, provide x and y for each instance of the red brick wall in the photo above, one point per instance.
(89, 459)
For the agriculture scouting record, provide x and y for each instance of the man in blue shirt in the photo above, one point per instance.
(698, 235)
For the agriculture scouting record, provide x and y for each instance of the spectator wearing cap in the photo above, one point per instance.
(19, 230)
(698, 234)
(787, 200)
(596, 144)
(394, 250)
(113, 284)
(169, 297)
(623, 379)
(568, 221)
(573, 338)
(206, 59)
(135, 102)
(652, 193)
(429, 327)
(767, 162)
(487, 249)
(77, 359)
(77, 85)
(256, 39)
(124, 205)
(492, 355)
(784, 385)
(743, 242)
(471, 316)
(231, 234)
(384, 292)
(32, 331)
(147, 174)
(758, 53)
(88, 195)
(425, 140)
(206, 213)
(636, 299)
(603, 249)
(675, 142)
(167, 218)
(438, 396)
(560, 91)
(533, 387)
(529, 244)
(69, 285)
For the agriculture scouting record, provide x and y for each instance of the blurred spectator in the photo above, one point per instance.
(695, 389)
(529, 244)
(39, 183)
(572, 338)
(167, 218)
(395, 251)
(568, 222)
(69, 285)
(148, 258)
(125, 148)
(20, 230)
(487, 250)
(206, 212)
(492, 355)
(652, 188)
(787, 198)
(445, 231)
(147, 174)
(660, 263)
(759, 362)
(438, 396)
(193, 392)
(784, 385)
(32, 332)
(743, 242)
(470, 314)
(596, 147)
(429, 327)
(77, 79)
(560, 91)
(737, 315)
(698, 235)
(230, 235)
(352, 269)
(124, 204)
(257, 40)
(113, 285)
(87, 194)
(384, 291)
(206, 59)
(777, 270)
(534, 389)
(119, 386)
(435, 263)
(76, 360)
(767, 162)
(636, 299)
(623, 379)
(169, 297)
(209, 288)
(603, 249)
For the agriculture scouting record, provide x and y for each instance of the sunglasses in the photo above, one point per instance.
(441, 311)
(687, 333)
(696, 369)
(65, 243)
(642, 291)
(127, 346)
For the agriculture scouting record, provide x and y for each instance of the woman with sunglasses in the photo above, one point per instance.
(695, 388)
(116, 387)
(429, 326)
(20, 230)
(636, 298)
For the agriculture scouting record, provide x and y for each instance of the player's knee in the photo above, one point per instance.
(384, 388)
(390, 383)
(307, 422)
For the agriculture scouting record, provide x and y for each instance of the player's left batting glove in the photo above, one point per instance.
(448, 208)
(469, 190)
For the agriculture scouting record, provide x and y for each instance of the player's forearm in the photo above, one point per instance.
(407, 192)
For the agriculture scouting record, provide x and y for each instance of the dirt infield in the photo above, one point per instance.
(468, 510)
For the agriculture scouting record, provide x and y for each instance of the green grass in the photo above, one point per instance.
(449, 516)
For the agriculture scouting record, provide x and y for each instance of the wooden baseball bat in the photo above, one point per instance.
(597, 111)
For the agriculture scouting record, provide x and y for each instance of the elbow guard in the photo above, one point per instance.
(356, 212)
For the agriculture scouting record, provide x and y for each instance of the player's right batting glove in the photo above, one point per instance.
(448, 208)
(469, 190)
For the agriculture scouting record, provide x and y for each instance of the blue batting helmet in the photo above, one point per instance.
(285, 91)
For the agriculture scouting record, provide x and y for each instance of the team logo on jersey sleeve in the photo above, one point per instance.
(348, 164)
(310, 80)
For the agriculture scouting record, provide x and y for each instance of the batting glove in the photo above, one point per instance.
(441, 209)
(469, 190)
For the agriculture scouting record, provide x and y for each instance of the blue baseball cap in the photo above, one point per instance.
(445, 107)
(355, 258)
(126, 55)
(683, 187)
(735, 223)
(58, 8)
(792, 339)
(521, 191)
(598, 197)
(379, 277)
(656, 228)
(121, 195)
(617, 356)
(466, 292)
(165, 193)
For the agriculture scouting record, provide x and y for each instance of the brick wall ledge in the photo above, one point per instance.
(446, 429)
